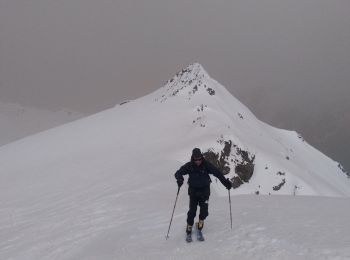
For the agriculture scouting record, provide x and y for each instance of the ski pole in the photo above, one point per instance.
(229, 199)
(178, 190)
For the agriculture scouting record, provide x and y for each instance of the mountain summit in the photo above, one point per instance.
(258, 158)
(188, 81)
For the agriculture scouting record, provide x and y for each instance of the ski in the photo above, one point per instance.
(188, 238)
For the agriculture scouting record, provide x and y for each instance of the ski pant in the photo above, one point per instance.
(198, 197)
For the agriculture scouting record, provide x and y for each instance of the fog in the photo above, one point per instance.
(288, 61)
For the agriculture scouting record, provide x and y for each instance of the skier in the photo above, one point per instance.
(199, 181)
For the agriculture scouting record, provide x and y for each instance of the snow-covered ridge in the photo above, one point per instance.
(102, 187)
(258, 158)
(194, 110)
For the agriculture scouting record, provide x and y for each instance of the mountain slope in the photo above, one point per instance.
(191, 110)
(102, 187)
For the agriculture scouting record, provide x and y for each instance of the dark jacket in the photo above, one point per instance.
(199, 175)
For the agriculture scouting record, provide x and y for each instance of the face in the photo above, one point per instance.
(198, 161)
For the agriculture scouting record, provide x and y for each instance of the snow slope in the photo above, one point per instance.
(20, 121)
(103, 188)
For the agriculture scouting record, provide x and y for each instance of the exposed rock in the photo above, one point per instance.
(220, 160)
(243, 161)
(343, 170)
(244, 172)
(124, 102)
(279, 186)
(300, 137)
(211, 91)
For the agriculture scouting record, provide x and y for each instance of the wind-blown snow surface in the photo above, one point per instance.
(103, 187)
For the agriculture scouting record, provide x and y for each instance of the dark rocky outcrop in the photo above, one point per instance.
(231, 153)
(279, 186)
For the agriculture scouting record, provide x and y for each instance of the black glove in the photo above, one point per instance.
(228, 184)
(179, 182)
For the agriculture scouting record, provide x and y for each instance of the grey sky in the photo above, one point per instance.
(288, 61)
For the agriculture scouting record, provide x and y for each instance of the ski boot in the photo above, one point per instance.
(199, 227)
(188, 233)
